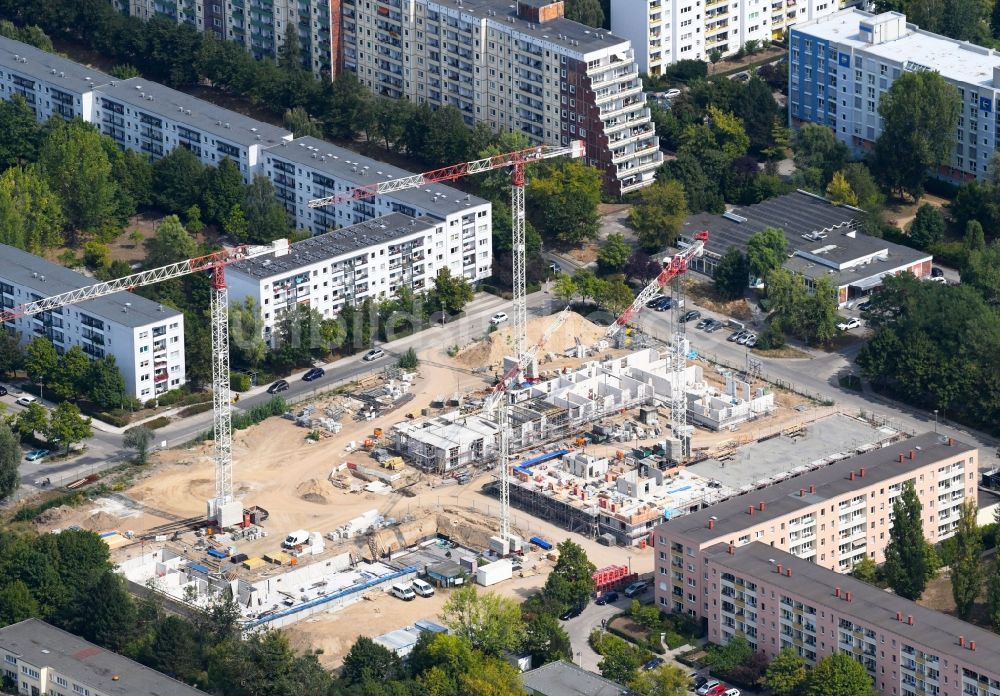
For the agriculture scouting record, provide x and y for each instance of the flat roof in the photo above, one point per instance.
(49, 67)
(47, 279)
(783, 498)
(955, 60)
(330, 245)
(560, 32)
(357, 170)
(44, 645)
(566, 679)
(869, 605)
(205, 116)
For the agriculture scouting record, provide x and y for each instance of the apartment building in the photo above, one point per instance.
(841, 65)
(778, 601)
(41, 659)
(146, 338)
(522, 67)
(371, 259)
(258, 25)
(52, 85)
(146, 116)
(832, 516)
(308, 168)
(663, 32)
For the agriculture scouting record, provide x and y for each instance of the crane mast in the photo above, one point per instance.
(224, 509)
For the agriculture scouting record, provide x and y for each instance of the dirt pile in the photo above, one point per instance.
(100, 522)
(315, 491)
(53, 515)
(499, 344)
(469, 527)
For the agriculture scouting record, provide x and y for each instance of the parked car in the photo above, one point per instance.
(26, 400)
(636, 589)
(746, 338)
(672, 93)
(707, 686)
(36, 454)
(697, 681)
(703, 323)
(751, 342)
(865, 306)
(720, 690)
(712, 326)
(653, 664)
(279, 386)
(607, 598)
(3, 391)
(736, 335)
(555, 267)
(498, 318)
(572, 612)
(851, 323)
(374, 354)
(653, 302)
(690, 316)
(664, 304)
(312, 374)
(732, 692)
(937, 272)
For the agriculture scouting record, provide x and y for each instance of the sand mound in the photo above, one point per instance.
(492, 350)
(315, 491)
(53, 515)
(100, 522)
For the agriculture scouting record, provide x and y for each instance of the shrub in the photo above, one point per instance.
(29, 513)
(273, 407)
(195, 409)
(675, 640)
(157, 422)
(239, 381)
(118, 418)
(409, 360)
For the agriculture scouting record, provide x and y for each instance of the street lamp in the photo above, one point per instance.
(935, 420)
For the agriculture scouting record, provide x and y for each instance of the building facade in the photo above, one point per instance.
(371, 259)
(663, 32)
(42, 659)
(150, 118)
(52, 85)
(523, 68)
(258, 25)
(781, 601)
(145, 338)
(833, 516)
(841, 65)
(308, 168)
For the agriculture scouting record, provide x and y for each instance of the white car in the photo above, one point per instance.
(673, 93)
(26, 400)
(498, 318)
(852, 323)
(374, 354)
(732, 692)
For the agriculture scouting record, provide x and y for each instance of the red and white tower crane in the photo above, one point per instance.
(224, 509)
(515, 161)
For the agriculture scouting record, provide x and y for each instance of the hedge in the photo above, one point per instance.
(194, 410)
(273, 407)
(157, 423)
(239, 381)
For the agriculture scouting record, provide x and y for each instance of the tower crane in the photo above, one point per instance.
(223, 509)
(516, 162)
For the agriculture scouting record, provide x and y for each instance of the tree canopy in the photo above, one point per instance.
(838, 675)
(659, 214)
(909, 558)
(491, 623)
(571, 581)
(766, 251)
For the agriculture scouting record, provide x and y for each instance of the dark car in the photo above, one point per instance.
(712, 325)
(314, 373)
(703, 323)
(690, 316)
(865, 306)
(736, 335)
(607, 598)
(279, 386)
(653, 302)
(653, 664)
(572, 612)
(3, 391)
(664, 304)
(699, 681)
(636, 589)
(936, 272)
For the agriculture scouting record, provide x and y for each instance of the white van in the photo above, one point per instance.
(296, 538)
(424, 589)
(404, 592)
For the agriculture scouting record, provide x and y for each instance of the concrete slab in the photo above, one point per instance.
(758, 461)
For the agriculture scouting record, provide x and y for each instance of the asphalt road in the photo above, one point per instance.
(580, 628)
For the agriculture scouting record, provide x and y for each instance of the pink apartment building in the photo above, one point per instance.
(832, 516)
(778, 600)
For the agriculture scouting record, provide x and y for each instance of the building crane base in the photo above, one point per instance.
(225, 513)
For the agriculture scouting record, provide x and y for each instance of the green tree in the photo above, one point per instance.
(786, 673)
(71, 376)
(614, 254)
(928, 226)
(619, 660)
(17, 602)
(125, 71)
(546, 641)
(729, 133)
(192, 219)
(246, 332)
(454, 292)
(818, 154)
(838, 675)
(10, 458)
(966, 565)
(20, 137)
(665, 680)
(613, 294)
(265, 664)
(766, 251)
(981, 271)
(32, 419)
(909, 559)
(993, 594)
(223, 189)
(41, 362)
(564, 288)
(866, 571)
(367, 661)
(236, 225)
(178, 178)
(839, 191)
(732, 274)
(647, 616)
(571, 581)
(266, 218)
(346, 107)
(301, 123)
(105, 614)
(138, 438)
(563, 198)
(389, 119)
(297, 337)
(975, 238)
(659, 214)
(587, 12)
(919, 111)
(78, 171)
(11, 352)
(67, 425)
(31, 215)
(290, 51)
(586, 283)
(105, 384)
(170, 243)
(735, 653)
(491, 623)
(174, 648)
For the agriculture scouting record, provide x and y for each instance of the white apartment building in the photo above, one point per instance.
(146, 338)
(39, 658)
(522, 67)
(841, 65)
(370, 259)
(257, 25)
(52, 85)
(663, 32)
(308, 168)
(153, 119)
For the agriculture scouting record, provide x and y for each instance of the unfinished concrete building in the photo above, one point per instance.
(446, 442)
